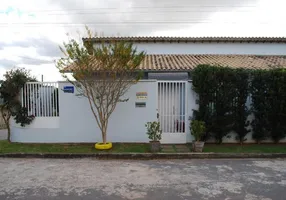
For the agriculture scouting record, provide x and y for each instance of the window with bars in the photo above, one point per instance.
(41, 99)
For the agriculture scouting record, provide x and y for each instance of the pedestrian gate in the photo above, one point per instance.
(172, 106)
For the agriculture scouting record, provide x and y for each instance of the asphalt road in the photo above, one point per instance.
(69, 179)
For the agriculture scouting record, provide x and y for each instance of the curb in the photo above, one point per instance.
(145, 156)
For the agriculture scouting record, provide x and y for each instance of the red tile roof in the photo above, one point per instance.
(187, 62)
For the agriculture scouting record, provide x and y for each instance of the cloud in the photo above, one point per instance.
(134, 11)
(2, 45)
(8, 64)
(33, 61)
(30, 51)
(44, 46)
(35, 46)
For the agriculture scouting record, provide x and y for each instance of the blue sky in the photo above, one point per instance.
(32, 30)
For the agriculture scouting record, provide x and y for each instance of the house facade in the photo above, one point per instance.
(164, 94)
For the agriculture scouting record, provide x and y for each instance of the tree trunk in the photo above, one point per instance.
(6, 115)
(104, 129)
(9, 133)
(104, 138)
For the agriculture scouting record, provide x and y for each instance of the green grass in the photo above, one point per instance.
(174, 148)
(246, 148)
(139, 148)
(6, 147)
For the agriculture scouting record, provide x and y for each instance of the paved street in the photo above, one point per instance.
(70, 179)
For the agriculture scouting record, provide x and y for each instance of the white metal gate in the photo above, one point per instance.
(172, 106)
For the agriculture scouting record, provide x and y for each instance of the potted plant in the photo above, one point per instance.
(154, 134)
(198, 129)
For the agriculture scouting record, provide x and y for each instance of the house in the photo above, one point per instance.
(164, 92)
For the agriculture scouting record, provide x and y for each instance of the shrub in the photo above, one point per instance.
(223, 93)
(268, 90)
(153, 130)
(10, 89)
(240, 110)
(214, 85)
(259, 89)
(198, 129)
(22, 117)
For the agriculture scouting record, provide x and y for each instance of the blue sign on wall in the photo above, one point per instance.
(68, 89)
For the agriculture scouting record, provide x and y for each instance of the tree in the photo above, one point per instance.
(223, 118)
(10, 89)
(214, 86)
(103, 73)
(240, 110)
(260, 104)
(277, 101)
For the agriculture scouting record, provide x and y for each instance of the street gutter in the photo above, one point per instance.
(144, 156)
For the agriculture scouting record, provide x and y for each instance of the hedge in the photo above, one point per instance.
(223, 93)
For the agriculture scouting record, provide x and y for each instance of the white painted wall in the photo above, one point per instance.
(127, 124)
(213, 48)
(192, 96)
(77, 124)
(40, 122)
(173, 138)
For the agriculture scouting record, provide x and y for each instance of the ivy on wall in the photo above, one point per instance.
(223, 93)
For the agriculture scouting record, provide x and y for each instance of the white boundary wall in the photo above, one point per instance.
(77, 124)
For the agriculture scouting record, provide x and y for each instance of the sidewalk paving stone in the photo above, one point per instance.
(182, 148)
(166, 148)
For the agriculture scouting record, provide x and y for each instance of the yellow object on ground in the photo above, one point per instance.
(102, 146)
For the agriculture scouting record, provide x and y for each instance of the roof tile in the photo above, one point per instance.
(187, 62)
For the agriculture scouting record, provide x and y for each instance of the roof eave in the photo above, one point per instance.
(190, 39)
